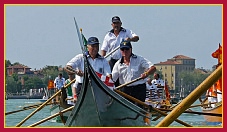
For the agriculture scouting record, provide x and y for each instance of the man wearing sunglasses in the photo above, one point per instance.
(131, 67)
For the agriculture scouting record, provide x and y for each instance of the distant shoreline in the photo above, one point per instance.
(24, 97)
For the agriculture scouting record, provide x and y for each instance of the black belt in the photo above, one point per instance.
(114, 59)
(219, 93)
(138, 85)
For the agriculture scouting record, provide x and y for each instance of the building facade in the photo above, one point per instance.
(173, 67)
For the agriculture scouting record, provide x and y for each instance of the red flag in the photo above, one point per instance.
(212, 92)
(50, 84)
(219, 84)
(107, 80)
(167, 92)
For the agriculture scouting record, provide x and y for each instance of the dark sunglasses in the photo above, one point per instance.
(122, 49)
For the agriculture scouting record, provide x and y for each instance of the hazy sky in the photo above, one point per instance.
(42, 35)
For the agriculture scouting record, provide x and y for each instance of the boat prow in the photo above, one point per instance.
(98, 105)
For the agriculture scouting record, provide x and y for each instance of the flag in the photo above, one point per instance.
(167, 92)
(218, 54)
(219, 85)
(84, 42)
(50, 84)
(212, 92)
(106, 80)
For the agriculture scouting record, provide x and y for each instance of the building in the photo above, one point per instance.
(172, 67)
(18, 69)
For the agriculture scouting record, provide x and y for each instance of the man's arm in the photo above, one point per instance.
(103, 52)
(134, 39)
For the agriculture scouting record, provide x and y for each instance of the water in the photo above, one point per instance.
(12, 120)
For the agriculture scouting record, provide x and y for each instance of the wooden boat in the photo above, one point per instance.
(56, 106)
(62, 117)
(214, 94)
(212, 108)
(99, 106)
(174, 100)
(162, 102)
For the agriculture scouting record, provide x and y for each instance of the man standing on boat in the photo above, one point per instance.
(98, 63)
(113, 39)
(59, 83)
(158, 81)
(131, 67)
(69, 89)
(153, 90)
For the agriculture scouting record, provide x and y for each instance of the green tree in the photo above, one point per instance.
(11, 85)
(190, 80)
(7, 63)
(37, 82)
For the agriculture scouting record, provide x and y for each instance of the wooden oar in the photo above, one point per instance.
(112, 51)
(25, 108)
(159, 116)
(137, 79)
(194, 112)
(41, 106)
(201, 105)
(142, 103)
(52, 116)
(204, 100)
(146, 105)
(191, 98)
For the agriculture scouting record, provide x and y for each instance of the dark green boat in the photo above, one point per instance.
(99, 106)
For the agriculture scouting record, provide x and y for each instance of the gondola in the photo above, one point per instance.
(99, 106)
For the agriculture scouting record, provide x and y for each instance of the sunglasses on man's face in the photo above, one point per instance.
(122, 49)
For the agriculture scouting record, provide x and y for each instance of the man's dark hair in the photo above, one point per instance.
(157, 75)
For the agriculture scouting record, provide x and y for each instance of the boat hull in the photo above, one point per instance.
(56, 109)
(42, 100)
(99, 106)
(216, 109)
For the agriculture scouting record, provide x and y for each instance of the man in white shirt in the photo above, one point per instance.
(113, 39)
(59, 81)
(98, 63)
(158, 81)
(153, 91)
(131, 67)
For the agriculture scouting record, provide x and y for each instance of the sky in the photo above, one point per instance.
(41, 35)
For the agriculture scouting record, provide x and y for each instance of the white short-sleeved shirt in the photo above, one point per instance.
(158, 81)
(152, 87)
(127, 73)
(99, 64)
(59, 82)
(111, 41)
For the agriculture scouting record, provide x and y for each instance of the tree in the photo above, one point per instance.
(192, 79)
(11, 85)
(7, 63)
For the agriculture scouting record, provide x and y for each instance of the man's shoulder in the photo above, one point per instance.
(109, 34)
(79, 55)
(153, 80)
